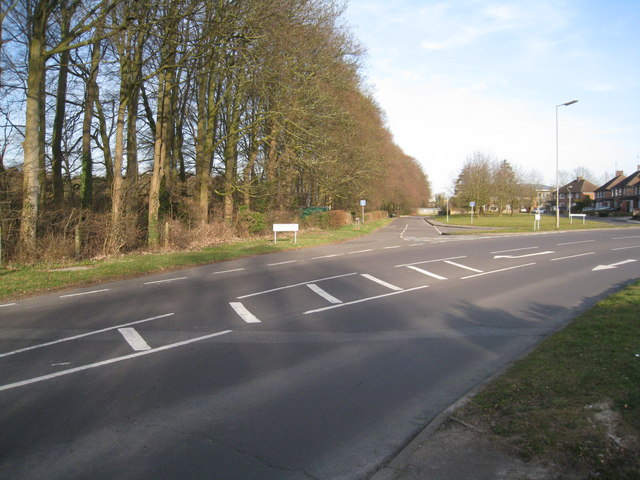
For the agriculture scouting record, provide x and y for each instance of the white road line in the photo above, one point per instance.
(295, 285)
(389, 248)
(623, 238)
(496, 271)
(364, 300)
(463, 266)
(416, 245)
(245, 314)
(82, 335)
(10, 386)
(7, 305)
(514, 250)
(84, 293)
(431, 261)
(326, 295)
(228, 271)
(574, 243)
(572, 256)
(168, 280)
(360, 251)
(134, 339)
(525, 255)
(426, 272)
(327, 256)
(381, 282)
(281, 263)
(624, 248)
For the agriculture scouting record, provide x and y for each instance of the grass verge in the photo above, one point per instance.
(518, 223)
(575, 401)
(18, 282)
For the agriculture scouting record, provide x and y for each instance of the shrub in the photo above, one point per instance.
(250, 222)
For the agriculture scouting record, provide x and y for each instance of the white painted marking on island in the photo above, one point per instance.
(245, 314)
(134, 339)
(324, 294)
(346, 304)
(426, 272)
(463, 266)
(295, 285)
(381, 282)
(497, 271)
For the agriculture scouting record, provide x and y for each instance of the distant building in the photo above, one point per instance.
(576, 191)
(604, 194)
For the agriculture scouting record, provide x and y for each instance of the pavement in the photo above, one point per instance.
(452, 449)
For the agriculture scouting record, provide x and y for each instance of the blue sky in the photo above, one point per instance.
(459, 76)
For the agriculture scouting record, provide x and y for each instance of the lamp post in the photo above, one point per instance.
(569, 204)
(557, 173)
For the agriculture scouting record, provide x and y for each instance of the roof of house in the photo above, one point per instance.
(579, 185)
(631, 180)
(613, 182)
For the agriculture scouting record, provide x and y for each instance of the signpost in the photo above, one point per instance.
(363, 203)
(472, 204)
(536, 222)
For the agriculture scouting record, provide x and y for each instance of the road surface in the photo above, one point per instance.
(318, 363)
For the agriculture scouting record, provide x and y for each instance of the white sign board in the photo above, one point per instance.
(285, 227)
(472, 204)
(363, 203)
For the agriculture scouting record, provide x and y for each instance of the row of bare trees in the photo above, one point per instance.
(484, 181)
(184, 109)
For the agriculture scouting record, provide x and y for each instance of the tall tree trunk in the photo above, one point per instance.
(160, 155)
(61, 104)
(58, 125)
(135, 79)
(231, 158)
(117, 188)
(42, 165)
(202, 162)
(86, 187)
(35, 102)
(230, 163)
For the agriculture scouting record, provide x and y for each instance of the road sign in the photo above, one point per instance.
(472, 204)
(363, 203)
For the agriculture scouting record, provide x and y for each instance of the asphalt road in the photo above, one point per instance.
(318, 363)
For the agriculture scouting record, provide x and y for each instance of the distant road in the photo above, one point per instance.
(317, 363)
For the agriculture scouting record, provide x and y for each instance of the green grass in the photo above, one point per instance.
(18, 282)
(580, 389)
(517, 223)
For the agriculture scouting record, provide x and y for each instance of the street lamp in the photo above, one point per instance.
(557, 173)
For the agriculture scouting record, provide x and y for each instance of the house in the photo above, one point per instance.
(578, 190)
(626, 194)
(604, 194)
